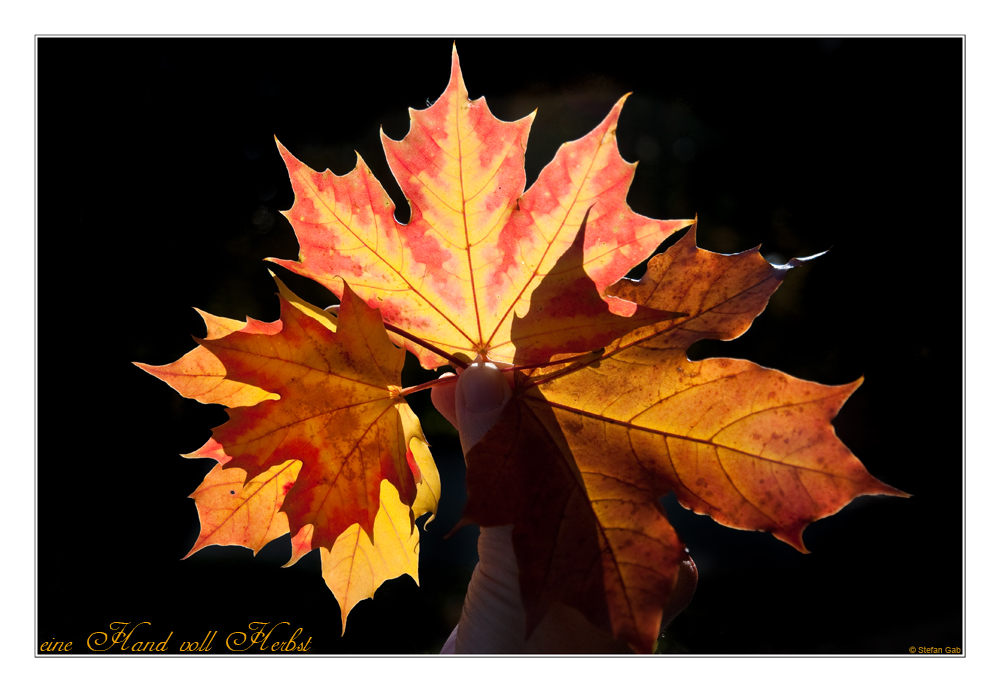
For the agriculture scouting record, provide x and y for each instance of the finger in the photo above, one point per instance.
(493, 619)
(683, 593)
(443, 398)
(449, 644)
(481, 393)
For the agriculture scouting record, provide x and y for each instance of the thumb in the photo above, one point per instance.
(481, 393)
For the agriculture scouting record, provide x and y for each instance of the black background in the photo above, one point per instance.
(159, 187)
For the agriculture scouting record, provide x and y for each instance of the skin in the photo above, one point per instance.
(493, 620)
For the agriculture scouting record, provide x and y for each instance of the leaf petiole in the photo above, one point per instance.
(430, 347)
(426, 385)
(535, 366)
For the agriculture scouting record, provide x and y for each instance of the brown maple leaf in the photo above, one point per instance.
(584, 450)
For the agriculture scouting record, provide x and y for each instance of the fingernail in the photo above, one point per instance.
(482, 388)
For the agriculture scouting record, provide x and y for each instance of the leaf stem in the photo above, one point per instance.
(426, 385)
(430, 347)
(571, 359)
(557, 374)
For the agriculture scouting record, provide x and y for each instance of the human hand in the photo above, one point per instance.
(493, 618)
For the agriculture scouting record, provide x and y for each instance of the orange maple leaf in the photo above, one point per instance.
(583, 451)
(372, 540)
(453, 279)
(306, 388)
(339, 413)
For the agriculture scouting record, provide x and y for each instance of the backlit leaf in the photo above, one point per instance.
(476, 244)
(752, 447)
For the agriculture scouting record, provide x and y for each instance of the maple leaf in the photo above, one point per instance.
(583, 451)
(338, 414)
(304, 389)
(452, 280)
(235, 511)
